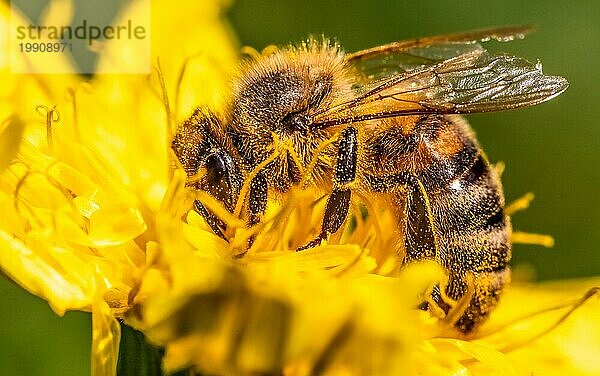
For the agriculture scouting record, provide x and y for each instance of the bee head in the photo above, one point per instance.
(281, 93)
(201, 147)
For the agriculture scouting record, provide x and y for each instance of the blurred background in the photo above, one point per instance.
(551, 150)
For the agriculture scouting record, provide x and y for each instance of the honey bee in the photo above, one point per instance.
(389, 119)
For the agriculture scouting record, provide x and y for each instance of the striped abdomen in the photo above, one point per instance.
(451, 208)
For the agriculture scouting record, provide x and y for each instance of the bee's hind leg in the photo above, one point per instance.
(338, 202)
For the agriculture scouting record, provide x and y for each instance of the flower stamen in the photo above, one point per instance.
(52, 116)
(520, 237)
(165, 99)
(71, 95)
(18, 202)
(519, 204)
(311, 166)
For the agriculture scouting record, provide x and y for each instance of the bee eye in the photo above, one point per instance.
(295, 122)
(215, 165)
(222, 179)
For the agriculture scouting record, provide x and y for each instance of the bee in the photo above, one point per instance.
(382, 122)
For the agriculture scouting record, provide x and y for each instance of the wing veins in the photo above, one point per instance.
(459, 80)
(499, 34)
(396, 80)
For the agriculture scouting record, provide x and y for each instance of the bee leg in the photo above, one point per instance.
(338, 202)
(420, 240)
(222, 181)
(335, 215)
(214, 222)
(257, 202)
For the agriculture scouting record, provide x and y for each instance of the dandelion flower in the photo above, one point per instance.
(94, 216)
(79, 196)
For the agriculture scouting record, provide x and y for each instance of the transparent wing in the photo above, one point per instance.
(475, 81)
(398, 57)
(387, 64)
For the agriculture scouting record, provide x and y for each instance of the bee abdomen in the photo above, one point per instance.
(488, 287)
(470, 203)
(468, 214)
(473, 239)
(444, 169)
(436, 149)
(437, 162)
(467, 208)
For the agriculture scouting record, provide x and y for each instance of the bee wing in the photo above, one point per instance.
(398, 57)
(476, 81)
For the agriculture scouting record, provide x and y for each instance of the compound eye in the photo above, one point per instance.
(221, 180)
(296, 122)
(215, 167)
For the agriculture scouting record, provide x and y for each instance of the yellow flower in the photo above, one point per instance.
(79, 199)
(94, 216)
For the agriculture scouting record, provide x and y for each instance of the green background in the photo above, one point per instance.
(551, 150)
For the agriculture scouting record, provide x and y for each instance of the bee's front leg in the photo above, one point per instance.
(215, 223)
(338, 202)
(257, 202)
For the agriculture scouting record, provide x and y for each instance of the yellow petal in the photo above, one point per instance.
(41, 62)
(195, 47)
(11, 132)
(491, 361)
(25, 91)
(106, 334)
(58, 12)
(572, 347)
(197, 34)
(115, 225)
(122, 55)
(39, 277)
(208, 244)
